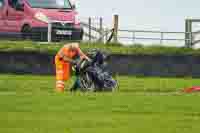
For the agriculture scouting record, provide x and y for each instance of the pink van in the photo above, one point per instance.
(29, 19)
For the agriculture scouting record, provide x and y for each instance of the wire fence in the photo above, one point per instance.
(95, 29)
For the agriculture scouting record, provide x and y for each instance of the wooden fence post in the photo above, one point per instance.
(90, 29)
(188, 33)
(116, 26)
(101, 29)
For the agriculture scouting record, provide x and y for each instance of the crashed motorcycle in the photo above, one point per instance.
(94, 75)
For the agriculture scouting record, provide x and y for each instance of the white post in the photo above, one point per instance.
(49, 31)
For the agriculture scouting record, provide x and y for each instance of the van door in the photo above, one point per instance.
(15, 16)
(2, 15)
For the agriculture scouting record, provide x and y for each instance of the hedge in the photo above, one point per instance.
(52, 48)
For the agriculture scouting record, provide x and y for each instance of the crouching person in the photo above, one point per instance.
(64, 60)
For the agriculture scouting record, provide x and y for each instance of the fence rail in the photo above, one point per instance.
(132, 35)
(150, 31)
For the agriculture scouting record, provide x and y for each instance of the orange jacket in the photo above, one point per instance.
(68, 52)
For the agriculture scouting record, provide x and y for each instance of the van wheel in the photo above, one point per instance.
(26, 32)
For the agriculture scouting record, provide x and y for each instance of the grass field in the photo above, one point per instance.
(28, 104)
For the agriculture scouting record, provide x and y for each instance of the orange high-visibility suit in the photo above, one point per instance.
(63, 68)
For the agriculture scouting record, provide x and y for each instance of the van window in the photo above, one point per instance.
(50, 4)
(1, 3)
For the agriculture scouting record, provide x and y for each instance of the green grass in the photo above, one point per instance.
(28, 104)
(52, 48)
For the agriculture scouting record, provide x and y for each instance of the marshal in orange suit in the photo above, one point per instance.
(63, 62)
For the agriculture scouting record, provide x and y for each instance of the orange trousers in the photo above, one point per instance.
(63, 73)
